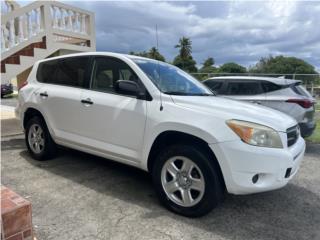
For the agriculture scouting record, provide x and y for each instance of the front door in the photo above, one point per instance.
(112, 123)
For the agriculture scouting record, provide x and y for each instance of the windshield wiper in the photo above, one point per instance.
(176, 93)
(188, 94)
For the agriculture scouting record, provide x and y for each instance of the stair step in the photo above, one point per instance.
(27, 51)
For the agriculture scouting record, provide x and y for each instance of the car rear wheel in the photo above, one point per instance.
(38, 139)
(186, 181)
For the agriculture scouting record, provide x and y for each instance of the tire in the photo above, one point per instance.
(47, 148)
(187, 181)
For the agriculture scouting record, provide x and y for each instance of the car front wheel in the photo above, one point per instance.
(186, 181)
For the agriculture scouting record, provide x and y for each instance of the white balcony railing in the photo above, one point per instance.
(60, 23)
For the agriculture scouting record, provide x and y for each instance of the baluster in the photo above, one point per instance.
(55, 17)
(20, 30)
(83, 23)
(11, 33)
(29, 25)
(3, 37)
(76, 21)
(38, 20)
(63, 22)
(69, 23)
(9, 7)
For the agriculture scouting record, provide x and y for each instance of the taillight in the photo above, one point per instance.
(305, 103)
(23, 84)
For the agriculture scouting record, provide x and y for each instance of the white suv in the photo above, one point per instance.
(156, 117)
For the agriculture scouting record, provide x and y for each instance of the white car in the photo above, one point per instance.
(285, 95)
(154, 116)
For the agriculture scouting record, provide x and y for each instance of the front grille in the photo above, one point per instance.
(292, 135)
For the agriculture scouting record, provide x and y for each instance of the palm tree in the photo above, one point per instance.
(155, 54)
(185, 47)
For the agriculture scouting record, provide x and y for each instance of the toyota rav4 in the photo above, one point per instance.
(156, 117)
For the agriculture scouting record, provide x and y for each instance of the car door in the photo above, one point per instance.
(59, 96)
(245, 90)
(112, 123)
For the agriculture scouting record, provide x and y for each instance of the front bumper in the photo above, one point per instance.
(239, 162)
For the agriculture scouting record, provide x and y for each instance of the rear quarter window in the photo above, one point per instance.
(67, 72)
(270, 87)
(298, 89)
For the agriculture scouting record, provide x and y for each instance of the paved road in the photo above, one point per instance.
(9, 101)
(79, 196)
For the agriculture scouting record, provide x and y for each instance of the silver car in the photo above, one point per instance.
(285, 95)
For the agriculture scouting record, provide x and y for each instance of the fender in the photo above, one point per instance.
(171, 126)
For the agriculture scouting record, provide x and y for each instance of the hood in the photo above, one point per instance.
(230, 109)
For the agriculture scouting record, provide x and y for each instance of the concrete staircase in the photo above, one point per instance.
(40, 30)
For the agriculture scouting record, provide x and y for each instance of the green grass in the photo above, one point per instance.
(318, 106)
(315, 137)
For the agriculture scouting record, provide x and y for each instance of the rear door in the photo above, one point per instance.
(245, 90)
(59, 97)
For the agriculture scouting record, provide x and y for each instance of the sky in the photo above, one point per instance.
(233, 31)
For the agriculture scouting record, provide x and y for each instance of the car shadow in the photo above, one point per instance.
(292, 212)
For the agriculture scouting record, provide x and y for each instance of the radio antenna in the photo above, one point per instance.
(157, 42)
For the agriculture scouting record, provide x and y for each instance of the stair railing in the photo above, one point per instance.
(59, 22)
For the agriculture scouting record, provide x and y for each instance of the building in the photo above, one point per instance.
(40, 30)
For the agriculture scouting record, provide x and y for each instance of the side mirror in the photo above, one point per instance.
(127, 87)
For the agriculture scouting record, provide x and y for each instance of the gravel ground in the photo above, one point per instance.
(80, 196)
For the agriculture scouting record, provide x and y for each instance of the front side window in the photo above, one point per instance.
(107, 71)
(170, 79)
(215, 86)
(67, 72)
(243, 88)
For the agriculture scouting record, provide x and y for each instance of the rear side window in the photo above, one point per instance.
(270, 87)
(67, 72)
(298, 89)
(215, 86)
(244, 88)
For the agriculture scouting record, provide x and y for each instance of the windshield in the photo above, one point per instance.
(170, 79)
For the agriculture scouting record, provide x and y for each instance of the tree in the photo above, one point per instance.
(207, 67)
(209, 62)
(153, 53)
(283, 65)
(140, 54)
(185, 48)
(185, 60)
(188, 64)
(232, 67)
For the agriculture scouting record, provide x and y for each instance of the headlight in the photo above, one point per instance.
(256, 134)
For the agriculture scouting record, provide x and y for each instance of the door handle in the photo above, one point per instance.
(87, 101)
(44, 94)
